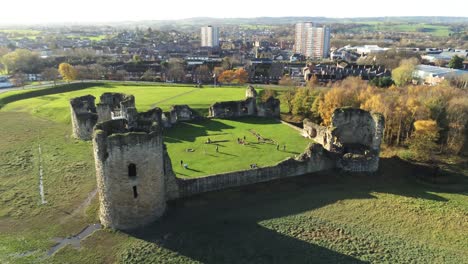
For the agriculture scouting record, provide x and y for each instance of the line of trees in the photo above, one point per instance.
(412, 113)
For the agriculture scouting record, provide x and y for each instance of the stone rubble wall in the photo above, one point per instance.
(314, 159)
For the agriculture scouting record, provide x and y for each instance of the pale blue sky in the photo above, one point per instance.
(44, 11)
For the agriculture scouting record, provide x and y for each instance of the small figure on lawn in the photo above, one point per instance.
(284, 147)
(185, 165)
(208, 141)
(181, 163)
(217, 148)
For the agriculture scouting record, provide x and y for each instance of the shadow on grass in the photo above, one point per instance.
(190, 131)
(190, 169)
(225, 226)
(48, 91)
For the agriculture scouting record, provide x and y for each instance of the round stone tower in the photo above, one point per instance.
(130, 173)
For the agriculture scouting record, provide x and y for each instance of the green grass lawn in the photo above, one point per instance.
(435, 30)
(332, 217)
(56, 106)
(231, 156)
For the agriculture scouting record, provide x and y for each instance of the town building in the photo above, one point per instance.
(209, 36)
(433, 75)
(312, 41)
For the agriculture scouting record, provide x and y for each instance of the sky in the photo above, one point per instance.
(56, 11)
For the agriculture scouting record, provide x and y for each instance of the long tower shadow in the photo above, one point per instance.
(226, 226)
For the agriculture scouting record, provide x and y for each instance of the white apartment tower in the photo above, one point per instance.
(209, 36)
(312, 41)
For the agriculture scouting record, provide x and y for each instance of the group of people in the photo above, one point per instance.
(278, 147)
(241, 141)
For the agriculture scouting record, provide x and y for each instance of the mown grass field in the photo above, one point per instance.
(332, 217)
(431, 29)
(231, 156)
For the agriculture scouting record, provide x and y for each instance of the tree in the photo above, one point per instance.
(98, 71)
(241, 76)
(148, 75)
(50, 74)
(21, 60)
(68, 72)
(287, 81)
(19, 79)
(457, 115)
(456, 62)
(267, 94)
(226, 64)
(227, 76)
(423, 141)
(288, 97)
(203, 74)
(83, 72)
(175, 70)
(302, 101)
(404, 73)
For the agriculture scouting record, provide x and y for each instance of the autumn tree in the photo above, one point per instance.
(288, 97)
(404, 73)
(423, 141)
(302, 102)
(227, 76)
(457, 115)
(68, 72)
(267, 94)
(241, 76)
(287, 81)
(21, 60)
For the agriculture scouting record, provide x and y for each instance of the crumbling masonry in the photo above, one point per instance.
(134, 172)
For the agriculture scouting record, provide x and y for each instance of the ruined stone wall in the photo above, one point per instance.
(355, 135)
(83, 116)
(129, 199)
(233, 108)
(110, 102)
(318, 133)
(270, 108)
(353, 126)
(314, 159)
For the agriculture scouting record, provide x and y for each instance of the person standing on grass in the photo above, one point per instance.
(217, 148)
(181, 163)
(284, 147)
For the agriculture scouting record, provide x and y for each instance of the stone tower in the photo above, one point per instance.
(130, 169)
(83, 116)
(114, 106)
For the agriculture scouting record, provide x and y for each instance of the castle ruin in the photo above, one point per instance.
(134, 172)
(354, 135)
(248, 107)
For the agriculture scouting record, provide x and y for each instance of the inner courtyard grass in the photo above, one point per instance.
(187, 142)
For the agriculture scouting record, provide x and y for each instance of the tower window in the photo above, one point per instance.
(135, 192)
(131, 170)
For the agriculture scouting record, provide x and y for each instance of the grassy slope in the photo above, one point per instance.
(69, 176)
(328, 218)
(231, 156)
(56, 106)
